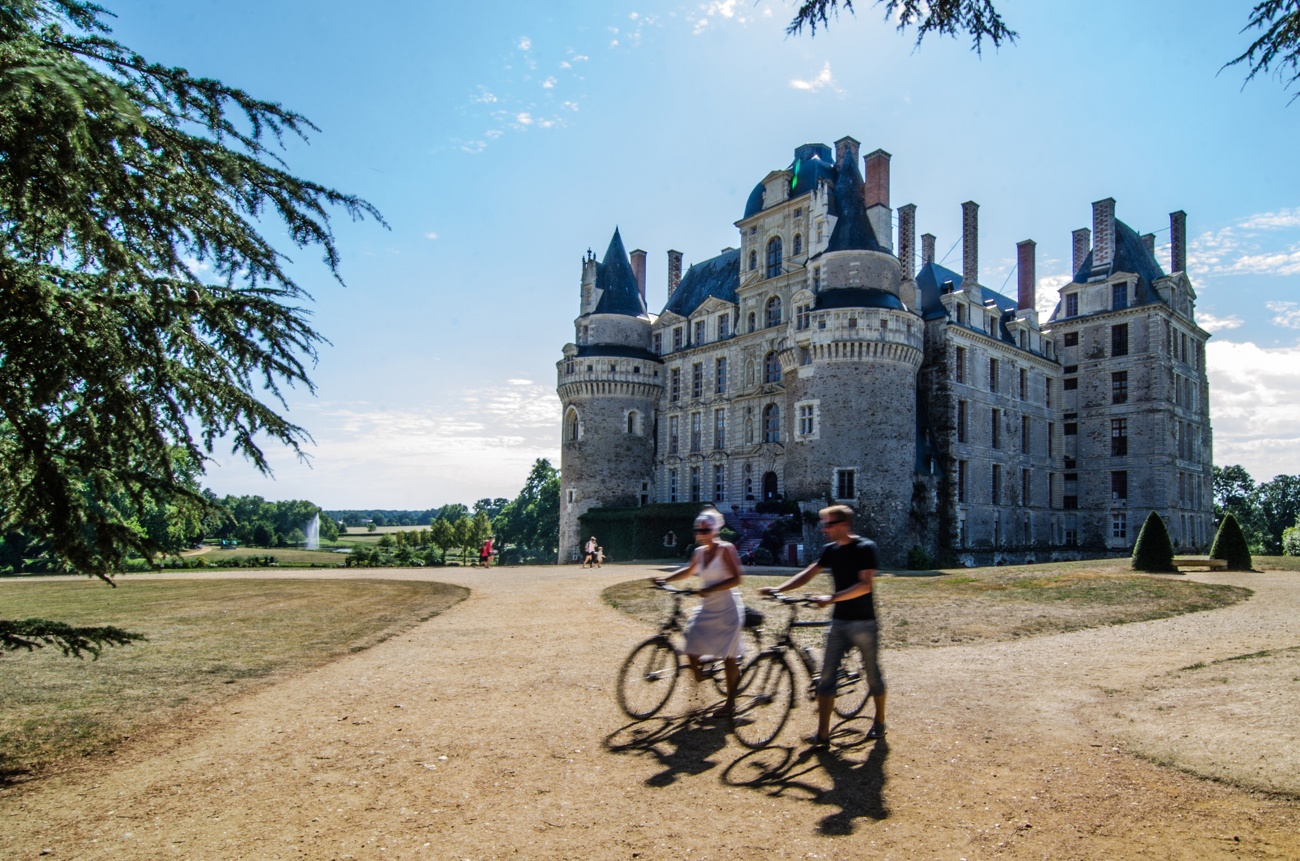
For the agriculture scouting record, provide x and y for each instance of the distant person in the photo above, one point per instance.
(600, 557)
(670, 539)
(485, 553)
(715, 626)
(853, 563)
(589, 559)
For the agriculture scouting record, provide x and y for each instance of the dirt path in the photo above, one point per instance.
(491, 732)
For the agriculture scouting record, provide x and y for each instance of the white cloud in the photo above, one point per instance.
(724, 10)
(1288, 314)
(1048, 293)
(485, 96)
(430, 235)
(823, 79)
(525, 43)
(549, 83)
(1269, 263)
(1255, 406)
(1211, 323)
(1273, 220)
(524, 118)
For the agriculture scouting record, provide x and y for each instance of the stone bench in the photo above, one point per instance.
(1192, 562)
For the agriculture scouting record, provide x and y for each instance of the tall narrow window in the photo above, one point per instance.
(571, 426)
(1071, 305)
(701, 334)
(695, 484)
(771, 368)
(1024, 385)
(807, 420)
(1119, 387)
(1024, 434)
(997, 484)
(674, 433)
(753, 260)
(719, 429)
(959, 365)
(995, 437)
(773, 314)
(697, 379)
(1024, 488)
(961, 421)
(724, 326)
(1119, 340)
(672, 485)
(1118, 437)
(993, 375)
(677, 337)
(798, 244)
(1119, 486)
(719, 482)
(1119, 525)
(774, 257)
(845, 484)
(720, 375)
(674, 384)
(961, 481)
(771, 423)
(1119, 296)
(659, 343)
(695, 432)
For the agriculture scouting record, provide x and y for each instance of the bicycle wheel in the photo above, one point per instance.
(647, 678)
(764, 705)
(851, 685)
(751, 648)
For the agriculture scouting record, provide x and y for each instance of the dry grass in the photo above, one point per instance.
(208, 640)
(987, 604)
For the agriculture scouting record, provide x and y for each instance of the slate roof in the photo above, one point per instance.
(1130, 255)
(930, 283)
(616, 351)
(852, 229)
(857, 297)
(812, 163)
(718, 277)
(616, 282)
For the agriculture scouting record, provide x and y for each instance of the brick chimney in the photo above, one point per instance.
(1026, 274)
(1178, 241)
(638, 270)
(846, 151)
(674, 271)
(907, 240)
(1082, 245)
(876, 169)
(927, 248)
(1149, 243)
(1103, 232)
(970, 244)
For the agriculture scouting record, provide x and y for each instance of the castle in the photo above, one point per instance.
(817, 363)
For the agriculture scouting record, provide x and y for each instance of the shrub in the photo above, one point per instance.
(1153, 551)
(763, 556)
(919, 559)
(1230, 545)
(1291, 541)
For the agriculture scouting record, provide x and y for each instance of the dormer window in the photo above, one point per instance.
(677, 337)
(798, 244)
(1119, 296)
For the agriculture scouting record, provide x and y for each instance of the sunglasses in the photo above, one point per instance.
(702, 529)
(832, 522)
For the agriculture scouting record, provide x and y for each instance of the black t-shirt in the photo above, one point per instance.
(845, 562)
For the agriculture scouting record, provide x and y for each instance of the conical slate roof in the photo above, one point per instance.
(616, 284)
(852, 229)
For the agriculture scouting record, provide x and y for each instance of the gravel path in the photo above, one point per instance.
(491, 732)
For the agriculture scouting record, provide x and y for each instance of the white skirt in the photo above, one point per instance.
(714, 629)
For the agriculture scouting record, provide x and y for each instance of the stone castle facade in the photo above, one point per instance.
(816, 362)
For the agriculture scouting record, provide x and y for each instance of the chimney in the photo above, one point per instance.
(846, 151)
(927, 248)
(970, 244)
(1149, 243)
(1178, 241)
(876, 168)
(638, 270)
(674, 271)
(1026, 274)
(907, 240)
(1082, 245)
(1103, 232)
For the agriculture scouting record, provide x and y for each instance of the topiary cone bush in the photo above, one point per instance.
(1153, 552)
(1230, 545)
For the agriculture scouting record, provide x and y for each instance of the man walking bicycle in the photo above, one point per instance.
(852, 561)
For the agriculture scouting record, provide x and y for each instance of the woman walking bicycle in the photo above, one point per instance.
(715, 627)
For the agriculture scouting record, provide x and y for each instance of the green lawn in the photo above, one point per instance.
(208, 640)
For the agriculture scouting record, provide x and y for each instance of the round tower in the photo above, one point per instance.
(852, 372)
(609, 382)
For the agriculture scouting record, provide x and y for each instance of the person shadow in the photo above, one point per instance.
(685, 745)
(857, 785)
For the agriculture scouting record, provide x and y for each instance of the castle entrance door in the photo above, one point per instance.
(769, 485)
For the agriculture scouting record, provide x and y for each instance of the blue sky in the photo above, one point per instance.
(502, 139)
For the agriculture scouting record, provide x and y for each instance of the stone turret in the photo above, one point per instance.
(609, 385)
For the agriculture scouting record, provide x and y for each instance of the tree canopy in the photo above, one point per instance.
(531, 521)
(1275, 49)
(144, 313)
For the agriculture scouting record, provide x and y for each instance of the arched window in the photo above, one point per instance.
(773, 315)
(752, 325)
(798, 244)
(771, 423)
(632, 417)
(771, 368)
(774, 257)
(753, 260)
(571, 425)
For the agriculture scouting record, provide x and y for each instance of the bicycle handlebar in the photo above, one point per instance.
(663, 587)
(804, 600)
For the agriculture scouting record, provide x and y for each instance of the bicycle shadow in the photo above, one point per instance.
(684, 745)
(857, 786)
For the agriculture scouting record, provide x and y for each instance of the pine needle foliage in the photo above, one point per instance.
(72, 640)
(141, 306)
(977, 18)
(1153, 552)
(1230, 545)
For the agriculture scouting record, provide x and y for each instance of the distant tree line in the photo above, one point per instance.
(1267, 512)
(254, 521)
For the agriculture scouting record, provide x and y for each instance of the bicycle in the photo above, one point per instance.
(767, 690)
(649, 674)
